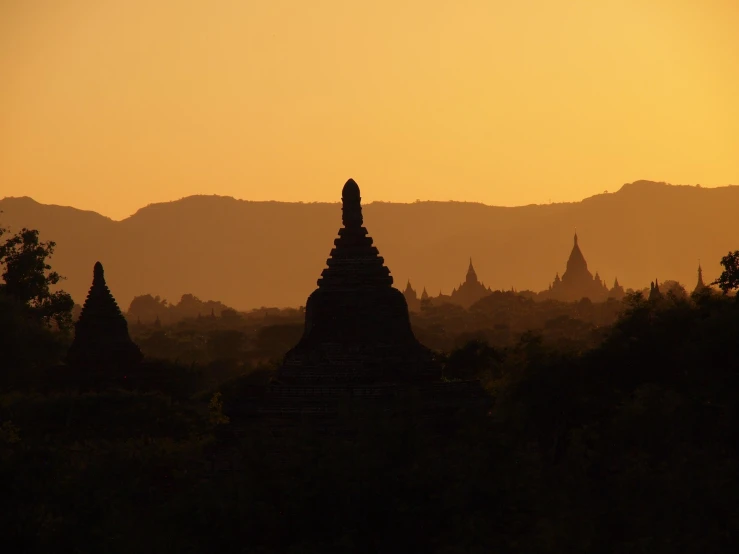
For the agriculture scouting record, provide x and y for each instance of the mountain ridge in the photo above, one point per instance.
(268, 253)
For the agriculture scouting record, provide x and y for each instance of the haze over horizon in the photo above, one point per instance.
(110, 106)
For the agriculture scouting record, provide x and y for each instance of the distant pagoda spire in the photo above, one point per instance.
(700, 285)
(617, 292)
(411, 297)
(576, 262)
(471, 274)
(101, 333)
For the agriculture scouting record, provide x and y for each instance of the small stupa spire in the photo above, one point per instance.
(101, 333)
(471, 275)
(700, 285)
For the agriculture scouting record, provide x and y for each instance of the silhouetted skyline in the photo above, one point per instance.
(642, 231)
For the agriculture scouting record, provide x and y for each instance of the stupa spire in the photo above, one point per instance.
(101, 333)
(354, 259)
(700, 285)
(357, 327)
(351, 205)
(471, 274)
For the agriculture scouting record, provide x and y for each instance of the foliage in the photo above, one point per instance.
(27, 277)
(215, 410)
(729, 278)
(25, 344)
(608, 428)
(470, 360)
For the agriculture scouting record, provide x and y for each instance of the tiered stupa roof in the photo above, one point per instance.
(101, 333)
(471, 290)
(577, 282)
(411, 297)
(576, 262)
(700, 285)
(357, 328)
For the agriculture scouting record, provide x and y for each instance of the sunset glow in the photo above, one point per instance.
(109, 105)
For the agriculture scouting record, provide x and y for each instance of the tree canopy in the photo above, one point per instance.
(729, 278)
(28, 277)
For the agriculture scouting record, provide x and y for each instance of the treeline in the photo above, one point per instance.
(264, 335)
(627, 447)
(189, 333)
(617, 438)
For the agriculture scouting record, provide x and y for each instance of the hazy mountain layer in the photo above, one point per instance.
(252, 254)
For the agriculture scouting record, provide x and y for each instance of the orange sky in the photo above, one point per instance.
(110, 105)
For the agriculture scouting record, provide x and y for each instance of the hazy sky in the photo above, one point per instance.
(112, 104)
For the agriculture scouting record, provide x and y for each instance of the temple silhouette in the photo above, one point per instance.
(700, 285)
(465, 295)
(357, 327)
(411, 297)
(470, 291)
(101, 333)
(577, 282)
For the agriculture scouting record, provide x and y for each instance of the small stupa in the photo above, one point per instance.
(654, 292)
(577, 282)
(700, 286)
(357, 327)
(101, 333)
(471, 290)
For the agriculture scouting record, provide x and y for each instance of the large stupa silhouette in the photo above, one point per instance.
(357, 328)
(101, 336)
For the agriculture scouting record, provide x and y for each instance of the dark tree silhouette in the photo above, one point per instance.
(468, 361)
(28, 276)
(729, 278)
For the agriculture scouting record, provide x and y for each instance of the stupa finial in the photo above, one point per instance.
(98, 275)
(351, 205)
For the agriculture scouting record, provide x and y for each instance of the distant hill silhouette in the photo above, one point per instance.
(251, 254)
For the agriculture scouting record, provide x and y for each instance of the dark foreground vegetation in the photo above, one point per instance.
(630, 444)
